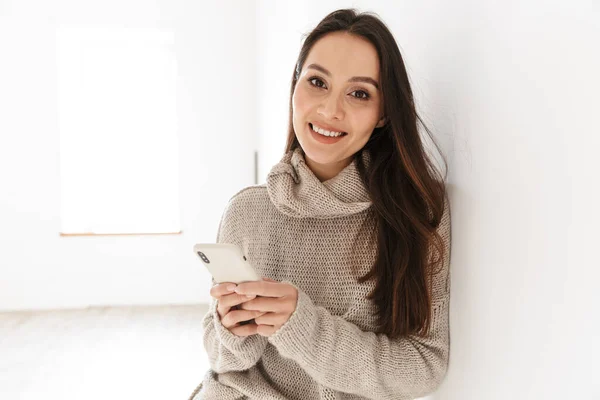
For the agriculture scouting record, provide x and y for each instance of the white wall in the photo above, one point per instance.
(217, 123)
(510, 89)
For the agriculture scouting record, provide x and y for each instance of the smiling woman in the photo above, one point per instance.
(351, 234)
(337, 95)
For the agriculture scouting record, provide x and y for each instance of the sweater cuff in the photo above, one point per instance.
(233, 343)
(295, 336)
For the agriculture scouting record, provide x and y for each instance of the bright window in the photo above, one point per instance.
(118, 131)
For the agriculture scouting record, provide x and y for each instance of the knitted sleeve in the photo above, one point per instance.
(226, 351)
(339, 355)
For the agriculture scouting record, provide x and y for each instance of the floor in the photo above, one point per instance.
(102, 353)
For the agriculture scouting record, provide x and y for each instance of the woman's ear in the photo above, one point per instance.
(381, 122)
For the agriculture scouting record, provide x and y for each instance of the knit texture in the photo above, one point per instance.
(319, 237)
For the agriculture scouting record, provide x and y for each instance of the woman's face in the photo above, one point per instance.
(337, 90)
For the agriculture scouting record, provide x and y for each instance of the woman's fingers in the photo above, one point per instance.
(269, 318)
(222, 289)
(234, 299)
(231, 315)
(245, 330)
(226, 302)
(234, 317)
(225, 291)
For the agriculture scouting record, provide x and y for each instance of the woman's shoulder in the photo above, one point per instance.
(241, 212)
(247, 202)
(249, 195)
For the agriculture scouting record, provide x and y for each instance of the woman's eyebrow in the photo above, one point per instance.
(365, 79)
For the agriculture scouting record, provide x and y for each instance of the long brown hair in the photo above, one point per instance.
(407, 191)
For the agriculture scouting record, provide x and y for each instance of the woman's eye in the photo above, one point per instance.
(361, 94)
(357, 94)
(316, 82)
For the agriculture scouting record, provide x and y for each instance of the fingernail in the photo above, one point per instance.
(231, 287)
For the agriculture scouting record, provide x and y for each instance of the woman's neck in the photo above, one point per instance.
(324, 172)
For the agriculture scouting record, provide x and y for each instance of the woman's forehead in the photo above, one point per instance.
(345, 55)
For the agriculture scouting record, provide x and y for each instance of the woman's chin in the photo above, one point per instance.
(317, 154)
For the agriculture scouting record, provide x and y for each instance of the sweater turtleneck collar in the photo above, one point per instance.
(297, 192)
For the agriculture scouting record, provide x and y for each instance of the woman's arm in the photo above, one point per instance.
(226, 351)
(339, 355)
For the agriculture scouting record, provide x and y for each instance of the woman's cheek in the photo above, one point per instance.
(367, 119)
(301, 100)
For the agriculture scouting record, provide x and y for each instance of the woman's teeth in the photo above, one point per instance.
(326, 132)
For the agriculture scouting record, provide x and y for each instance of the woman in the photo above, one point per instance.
(351, 233)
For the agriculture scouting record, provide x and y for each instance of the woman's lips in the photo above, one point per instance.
(325, 139)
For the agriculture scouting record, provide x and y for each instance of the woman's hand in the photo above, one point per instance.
(275, 302)
(230, 316)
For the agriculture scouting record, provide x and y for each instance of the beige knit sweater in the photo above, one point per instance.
(313, 235)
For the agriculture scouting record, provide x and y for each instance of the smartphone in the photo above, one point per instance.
(226, 263)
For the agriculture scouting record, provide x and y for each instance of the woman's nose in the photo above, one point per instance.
(331, 108)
